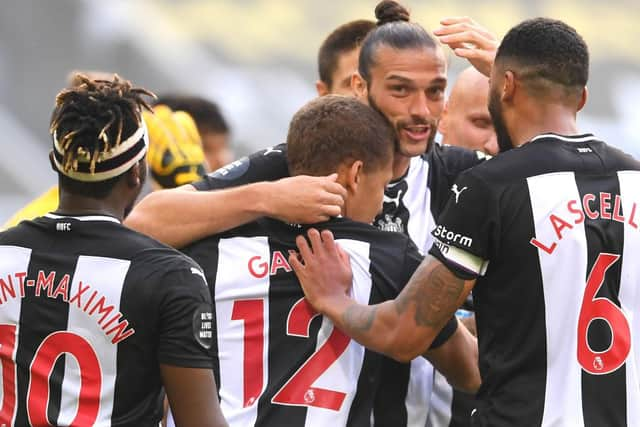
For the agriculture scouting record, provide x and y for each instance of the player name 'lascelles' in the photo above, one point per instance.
(84, 298)
(592, 207)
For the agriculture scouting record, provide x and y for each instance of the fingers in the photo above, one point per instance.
(328, 243)
(294, 261)
(469, 37)
(455, 28)
(303, 247)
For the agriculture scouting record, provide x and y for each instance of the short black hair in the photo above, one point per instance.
(91, 119)
(394, 30)
(546, 49)
(343, 39)
(333, 129)
(204, 112)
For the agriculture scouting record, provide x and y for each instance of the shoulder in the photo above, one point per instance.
(347, 229)
(454, 160)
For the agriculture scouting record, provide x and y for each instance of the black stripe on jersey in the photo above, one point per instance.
(50, 315)
(389, 408)
(603, 396)
(284, 292)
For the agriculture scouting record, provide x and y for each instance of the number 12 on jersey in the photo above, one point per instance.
(298, 390)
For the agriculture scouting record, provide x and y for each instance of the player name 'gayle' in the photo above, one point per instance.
(84, 298)
(591, 206)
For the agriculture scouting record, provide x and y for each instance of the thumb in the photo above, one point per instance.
(333, 177)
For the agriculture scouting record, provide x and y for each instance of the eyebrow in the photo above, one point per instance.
(437, 80)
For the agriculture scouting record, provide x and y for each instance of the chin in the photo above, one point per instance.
(413, 149)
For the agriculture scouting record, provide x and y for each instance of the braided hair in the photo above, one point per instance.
(98, 133)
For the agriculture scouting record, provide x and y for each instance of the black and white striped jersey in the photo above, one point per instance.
(88, 311)
(410, 205)
(550, 229)
(277, 362)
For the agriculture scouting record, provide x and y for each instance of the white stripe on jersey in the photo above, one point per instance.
(441, 401)
(420, 226)
(106, 277)
(629, 294)
(239, 284)
(418, 203)
(563, 277)
(13, 259)
(343, 374)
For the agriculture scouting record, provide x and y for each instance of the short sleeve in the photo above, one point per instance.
(185, 320)
(467, 228)
(265, 165)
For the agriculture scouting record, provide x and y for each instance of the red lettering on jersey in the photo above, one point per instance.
(585, 206)
(21, 277)
(574, 208)
(45, 283)
(263, 267)
(63, 288)
(559, 224)
(605, 205)
(617, 209)
(633, 216)
(548, 249)
(105, 311)
(86, 306)
(7, 288)
(120, 329)
(78, 295)
(279, 261)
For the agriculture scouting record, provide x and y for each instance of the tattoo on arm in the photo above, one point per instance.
(435, 293)
(359, 318)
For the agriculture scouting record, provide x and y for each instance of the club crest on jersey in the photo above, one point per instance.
(458, 192)
(387, 223)
(598, 365)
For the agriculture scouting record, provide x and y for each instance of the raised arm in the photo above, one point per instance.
(181, 216)
(402, 328)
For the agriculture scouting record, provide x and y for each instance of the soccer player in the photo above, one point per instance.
(338, 57)
(545, 233)
(465, 119)
(275, 364)
(402, 73)
(95, 319)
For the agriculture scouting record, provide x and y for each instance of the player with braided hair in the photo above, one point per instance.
(96, 319)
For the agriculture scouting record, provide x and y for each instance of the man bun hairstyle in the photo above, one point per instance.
(334, 129)
(390, 11)
(394, 29)
(546, 49)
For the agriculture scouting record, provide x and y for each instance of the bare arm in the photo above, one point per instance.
(181, 216)
(193, 396)
(401, 328)
(457, 360)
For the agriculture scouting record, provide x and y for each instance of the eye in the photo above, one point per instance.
(400, 90)
(482, 123)
(435, 93)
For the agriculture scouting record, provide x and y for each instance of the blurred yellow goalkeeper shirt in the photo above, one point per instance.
(43, 204)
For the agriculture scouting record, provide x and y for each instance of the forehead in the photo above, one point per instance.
(421, 65)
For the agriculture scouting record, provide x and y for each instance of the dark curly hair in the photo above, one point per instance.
(333, 129)
(543, 49)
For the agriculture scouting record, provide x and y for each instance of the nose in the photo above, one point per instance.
(419, 105)
(491, 146)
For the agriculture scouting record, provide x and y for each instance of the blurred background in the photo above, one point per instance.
(256, 59)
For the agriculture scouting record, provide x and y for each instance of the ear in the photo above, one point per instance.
(351, 174)
(51, 162)
(583, 98)
(134, 176)
(509, 86)
(321, 88)
(444, 120)
(359, 85)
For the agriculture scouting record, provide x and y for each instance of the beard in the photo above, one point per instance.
(403, 123)
(502, 134)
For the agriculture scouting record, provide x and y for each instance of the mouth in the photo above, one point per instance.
(417, 133)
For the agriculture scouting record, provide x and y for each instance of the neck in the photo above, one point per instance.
(546, 119)
(400, 165)
(72, 204)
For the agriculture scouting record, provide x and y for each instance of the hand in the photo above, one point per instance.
(324, 272)
(469, 40)
(306, 199)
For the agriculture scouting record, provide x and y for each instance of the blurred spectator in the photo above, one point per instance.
(465, 120)
(213, 128)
